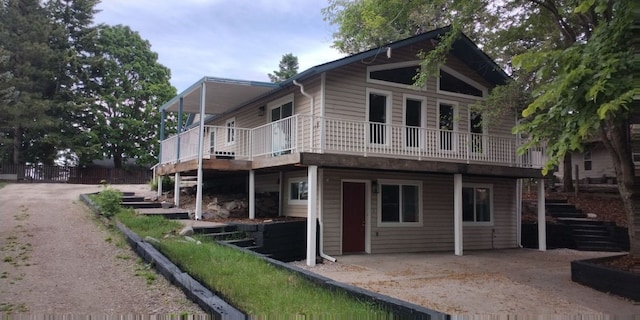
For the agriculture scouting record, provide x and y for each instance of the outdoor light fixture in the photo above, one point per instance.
(374, 186)
(261, 111)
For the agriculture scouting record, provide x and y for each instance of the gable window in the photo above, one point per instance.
(476, 130)
(587, 160)
(298, 191)
(447, 125)
(477, 204)
(454, 83)
(400, 203)
(231, 130)
(413, 120)
(378, 115)
(401, 74)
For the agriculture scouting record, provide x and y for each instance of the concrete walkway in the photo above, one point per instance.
(498, 282)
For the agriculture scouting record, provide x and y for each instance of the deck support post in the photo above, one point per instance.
(542, 221)
(457, 214)
(176, 190)
(159, 186)
(312, 213)
(203, 88)
(252, 194)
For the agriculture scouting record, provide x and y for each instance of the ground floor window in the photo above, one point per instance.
(400, 203)
(298, 191)
(477, 203)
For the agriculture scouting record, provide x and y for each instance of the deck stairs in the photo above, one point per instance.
(586, 234)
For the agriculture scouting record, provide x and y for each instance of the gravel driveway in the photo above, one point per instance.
(55, 258)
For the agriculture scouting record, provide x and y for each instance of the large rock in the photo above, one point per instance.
(186, 231)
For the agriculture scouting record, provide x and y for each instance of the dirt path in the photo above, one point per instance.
(55, 258)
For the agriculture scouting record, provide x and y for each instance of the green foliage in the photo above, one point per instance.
(247, 281)
(288, 68)
(108, 201)
(167, 183)
(127, 84)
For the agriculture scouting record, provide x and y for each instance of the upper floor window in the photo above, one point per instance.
(231, 130)
(454, 83)
(401, 74)
(587, 160)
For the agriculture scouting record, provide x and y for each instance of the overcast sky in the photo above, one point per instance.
(238, 39)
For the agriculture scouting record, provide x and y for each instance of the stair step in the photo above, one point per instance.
(211, 230)
(567, 214)
(598, 248)
(225, 236)
(141, 204)
(554, 201)
(582, 221)
(132, 199)
(246, 242)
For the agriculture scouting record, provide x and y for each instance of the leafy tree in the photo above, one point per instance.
(288, 68)
(573, 63)
(74, 34)
(127, 85)
(27, 116)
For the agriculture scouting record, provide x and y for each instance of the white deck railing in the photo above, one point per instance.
(303, 133)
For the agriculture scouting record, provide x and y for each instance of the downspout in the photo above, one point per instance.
(320, 223)
(519, 212)
(312, 111)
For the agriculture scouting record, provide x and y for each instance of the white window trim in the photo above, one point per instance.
(279, 103)
(423, 118)
(484, 132)
(454, 148)
(295, 201)
(389, 66)
(420, 203)
(387, 122)
(230, 139)
(464, 78)
(491, 216)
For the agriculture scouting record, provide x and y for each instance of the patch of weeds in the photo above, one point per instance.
(108, 201)
(10, 307)
(144, 270)
(108, 239)
(8, 259)
(4, 275)
(123, 256)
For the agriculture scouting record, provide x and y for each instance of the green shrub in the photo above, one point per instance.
(108, 201)
(167, 184)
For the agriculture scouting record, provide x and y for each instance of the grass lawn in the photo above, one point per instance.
(3, 183)
(248, 282)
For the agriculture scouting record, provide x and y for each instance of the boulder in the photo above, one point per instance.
(186, 231)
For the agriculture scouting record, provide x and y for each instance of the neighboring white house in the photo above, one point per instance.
(383, 166)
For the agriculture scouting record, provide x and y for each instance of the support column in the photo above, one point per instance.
(200, 152)
(180, 105)
(159, 186)
(457, 214)
(542, 221)
(312, 213)
(280, 192)
(252, 195)
(519, 212)
(176, 190)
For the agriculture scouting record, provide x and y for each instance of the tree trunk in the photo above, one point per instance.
(615, 137)
(567, 177)
(17, 144)
(117, 160)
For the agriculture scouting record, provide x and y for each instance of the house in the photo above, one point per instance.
(594, 164)
(381, 165)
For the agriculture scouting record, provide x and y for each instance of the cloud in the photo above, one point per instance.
(233, 39)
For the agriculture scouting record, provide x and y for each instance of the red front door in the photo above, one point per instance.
(353, 216)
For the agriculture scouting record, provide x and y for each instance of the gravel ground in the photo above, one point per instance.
(56, 258)
(512, 282)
